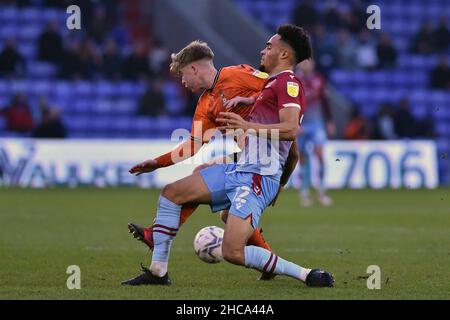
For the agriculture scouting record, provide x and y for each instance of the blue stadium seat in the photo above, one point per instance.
(28, 33)
(8, 14)
(102, 106)
(53, 14)
(380, 78)
(63, 88)
(22, 86)
(105, 89)
(121, 124)
(125, 107)
(2, 124)
(77, 123)
(28, 50)
(8, 31)
(84, 89)
(419, 97)
(30, 15)
(42, 70)
(340, 76)
(126, 89)
(83, 106)
(4, 102)
(4, 87)
(144, 125)
(41, 87)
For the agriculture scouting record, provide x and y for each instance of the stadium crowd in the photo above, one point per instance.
(106, 49)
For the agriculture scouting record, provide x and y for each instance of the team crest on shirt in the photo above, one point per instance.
(260, 74)
(292, 89)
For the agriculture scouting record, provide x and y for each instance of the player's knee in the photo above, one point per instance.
(233, 254)
(170, 192)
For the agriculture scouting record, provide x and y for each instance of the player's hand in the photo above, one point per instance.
(232, 121)
(237, 100)
(280, 188)
(144, 167)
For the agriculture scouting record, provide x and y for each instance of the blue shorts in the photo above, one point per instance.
(243, 193)
(313, 133)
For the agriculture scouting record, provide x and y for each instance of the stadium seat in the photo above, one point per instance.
(28, 33)
(30, 15)
(2, 124)
(8, 14)
(84, 89)
(63, 89)
(41, 87)
(125, 107)
(8, 31)
(42, 70)
(105, 89)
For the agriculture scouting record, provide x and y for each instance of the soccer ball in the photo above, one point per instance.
(208, 244)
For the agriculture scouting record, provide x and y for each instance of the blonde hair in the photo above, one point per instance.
(194, 51)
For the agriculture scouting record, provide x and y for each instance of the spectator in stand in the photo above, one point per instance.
(442, 35)
(306, 15)
(366, 55)
(357, 128)
(120, 35)
(354, 19)
(98, 26)
(324, 49)
(50, 44)
(158, 57)
(332, 16)
(71, 64)
(153, 102)
(440, 75)
(423, 42)
(18, 115)
(405, 123)
(12, 63)
(81, 61)
(50, 125)
(112, 62)
(387, 55)
(384, 128)
(425, 127)
(136, 65)
(346, 50)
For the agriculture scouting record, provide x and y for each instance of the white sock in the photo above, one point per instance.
(158, 268)
(304, 273)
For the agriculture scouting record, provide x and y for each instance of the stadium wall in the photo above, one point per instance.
(105, 163)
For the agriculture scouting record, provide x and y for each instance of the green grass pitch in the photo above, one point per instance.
(405, 232)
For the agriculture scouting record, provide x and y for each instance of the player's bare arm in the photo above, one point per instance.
(182, 152)
(239, 100)
(287, 128)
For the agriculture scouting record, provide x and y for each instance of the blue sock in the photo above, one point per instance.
(165, 228)
(266, 261)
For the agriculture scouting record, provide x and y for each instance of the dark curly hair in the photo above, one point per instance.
(298, 39)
